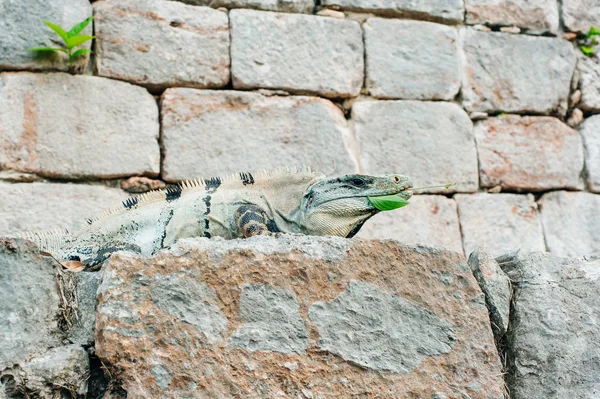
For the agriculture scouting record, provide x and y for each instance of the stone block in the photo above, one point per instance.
(429, 220)
(293, 6)
(59, 125)
(496, 286)
(503, 72)
(536, 17)
(411, 60)
(298, 53)
(83, 329)
(590, 131)
(209, 133)
(160, 44)
(589, 81)
(446, 11)
(500, 222)
(402, 137)
(46, 206)
(528, 153)
(553, 336)
(413, 313)
(21, 28)
(571, 223)
(580, 15)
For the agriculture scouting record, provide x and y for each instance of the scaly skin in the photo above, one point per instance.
(237, 206)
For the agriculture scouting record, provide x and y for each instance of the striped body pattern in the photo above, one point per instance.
(236, 206)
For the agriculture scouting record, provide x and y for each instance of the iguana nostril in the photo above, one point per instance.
(396, 179)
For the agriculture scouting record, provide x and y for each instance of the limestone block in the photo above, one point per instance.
(528, 153)
(500, 222)
(537, 16)
(589, 81)
(411, 60)
(429, 219)
(580, 15)
(161, 44)
(403, 137)
(504, 72)
(21, 28)
(413, 314)
(60, 125)
(298, 53)
(447, 11)
(293, 6)
(590, 131)
(209, 133)
(571, 223)
(553, 335)
(46, 206)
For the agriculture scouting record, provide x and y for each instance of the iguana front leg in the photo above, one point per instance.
(251, 220)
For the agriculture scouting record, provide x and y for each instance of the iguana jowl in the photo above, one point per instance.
(237, 206)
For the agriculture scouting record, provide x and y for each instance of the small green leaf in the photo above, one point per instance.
(594, 31)
(58, 30)
(80, 52)
(77, 29)
(77, 40)
(47, 49)
(388, 202)
(587, 50)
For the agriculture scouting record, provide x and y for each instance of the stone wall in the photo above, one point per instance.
(492, 94)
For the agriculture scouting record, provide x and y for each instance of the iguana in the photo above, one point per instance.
(243, 205)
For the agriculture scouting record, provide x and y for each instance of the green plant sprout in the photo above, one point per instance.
(590, 41)
(391, 202)
(72, 39)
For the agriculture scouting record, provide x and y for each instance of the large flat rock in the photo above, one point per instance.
(446, 11)
(209, 133)
(529, 153)
(500, 222)
(47, 206)
(429, 220)
(503, 72)
(59, 125)
(298, 53)
(403, 137)
(411, 60)
(590, 131)
(296, 315)
(571, 223)
(580, 15)
(161, 44)
(553, 337)
(534, 16)
(21, 28)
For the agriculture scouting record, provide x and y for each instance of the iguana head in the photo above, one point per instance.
(340, 205)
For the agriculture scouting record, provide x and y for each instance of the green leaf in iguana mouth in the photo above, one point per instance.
(388, 202)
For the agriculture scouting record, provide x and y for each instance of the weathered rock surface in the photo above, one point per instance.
(161, 44)
(46, 206)
(429, 219)
(298, 53)
(209, 133)
(61, 125)
(590, 131)
(571, 223)
(589, 81)
(293, 6)
(503, 72)
(83, 328)
(411, 60)
(495, 284)
(501, 222)
(447, 11)
(553, 334)
(537, 16)
(402, 136)
(580, 15)
(21, 28)
(334, 319)
(528, 153)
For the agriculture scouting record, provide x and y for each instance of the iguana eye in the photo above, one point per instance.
(358, 182)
